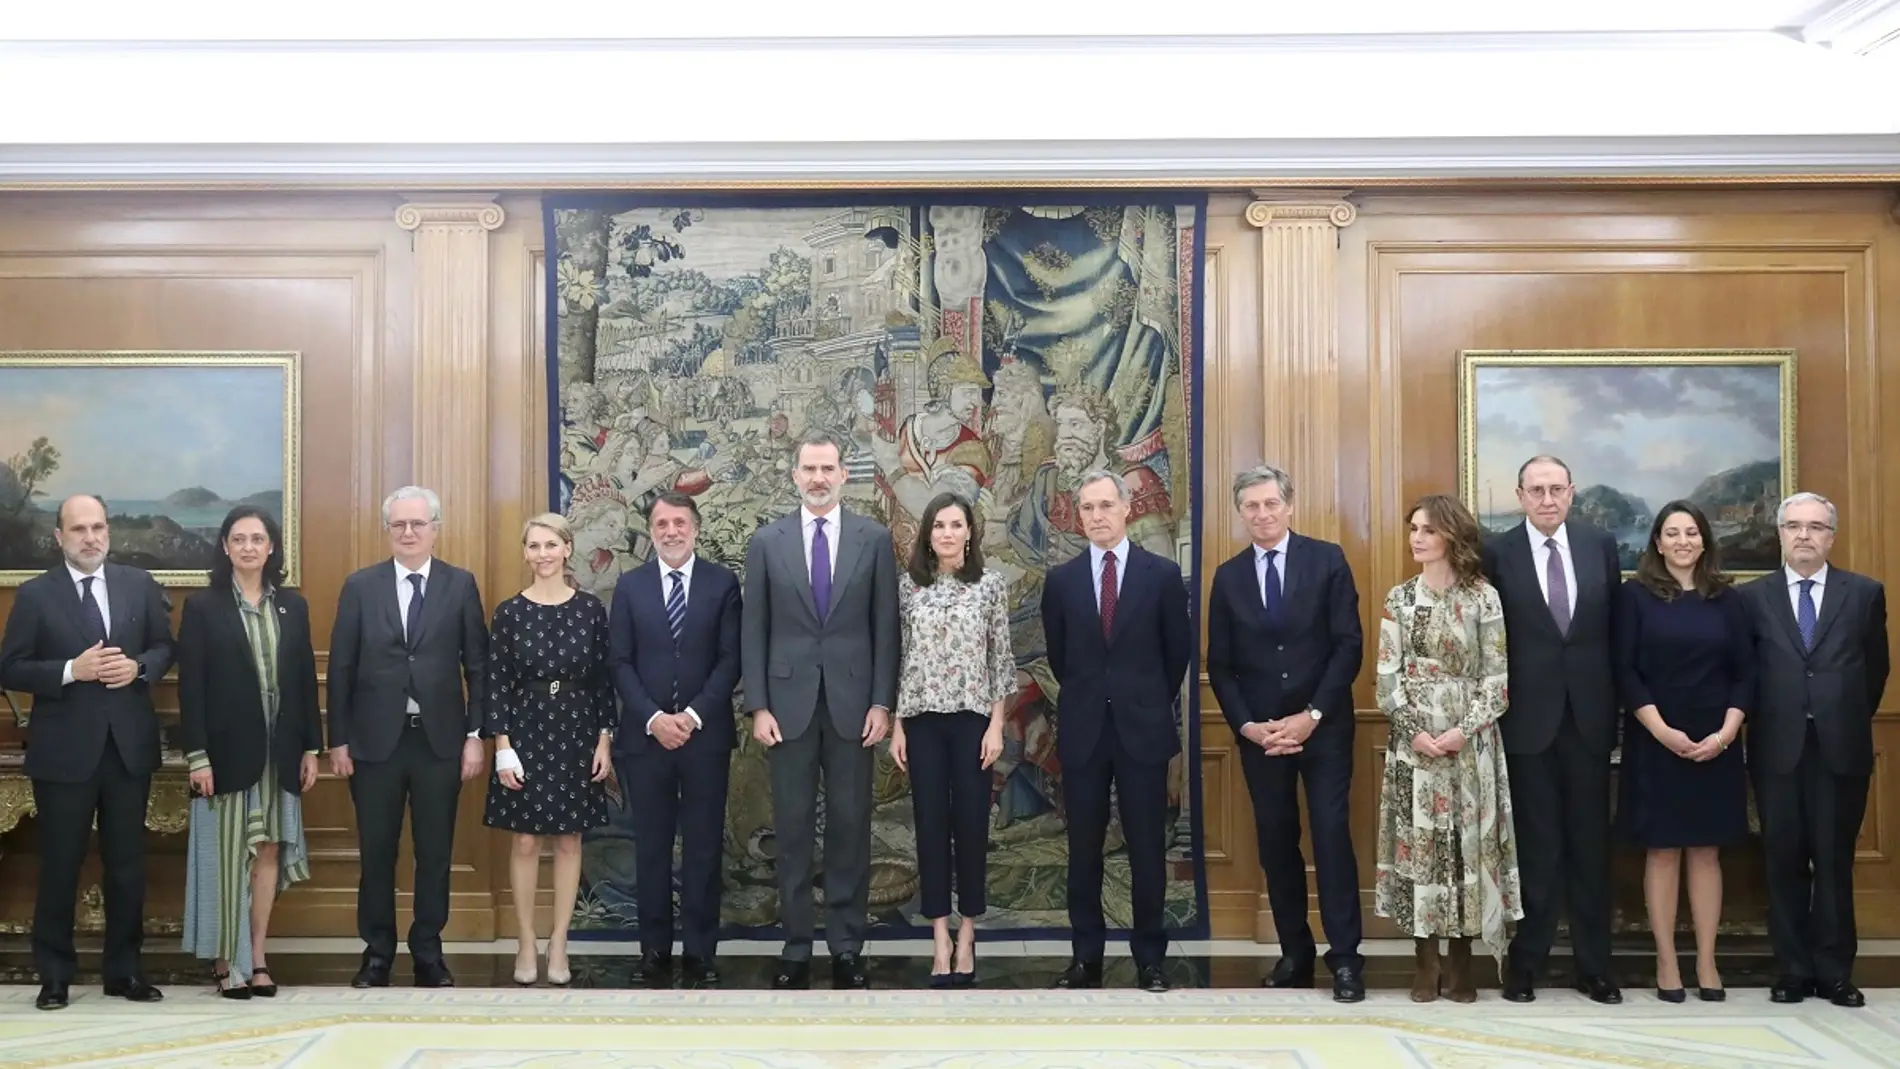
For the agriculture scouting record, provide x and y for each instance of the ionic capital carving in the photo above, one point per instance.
(1300, 207)
(417, 214)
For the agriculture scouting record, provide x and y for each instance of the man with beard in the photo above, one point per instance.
(1021, 436)
(818, 654)
(1045, 530)
(89, 640)
(947, 433)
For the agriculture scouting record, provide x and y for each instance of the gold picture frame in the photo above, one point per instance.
(1664, 423)
(166, 425)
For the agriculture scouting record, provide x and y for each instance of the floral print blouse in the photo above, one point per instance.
(956, 645)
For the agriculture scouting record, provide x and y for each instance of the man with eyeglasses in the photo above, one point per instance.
(408, 664)
(1557, 579)
(1821, 648)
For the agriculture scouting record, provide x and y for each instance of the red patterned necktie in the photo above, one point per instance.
(1108, 594)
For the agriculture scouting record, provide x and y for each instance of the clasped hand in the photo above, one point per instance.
(1441, 745)
(105, 664)
(1281, 737)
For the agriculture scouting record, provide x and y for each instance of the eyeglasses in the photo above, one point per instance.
(1544, 493)
(1806, 528)
(409, 526)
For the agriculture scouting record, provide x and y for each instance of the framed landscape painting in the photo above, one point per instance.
(1638, 428)
(170, 440)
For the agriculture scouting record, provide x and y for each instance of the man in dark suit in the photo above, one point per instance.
(1120, 640)
(1558, 582)
(819, 649)
(410, 636)
(88, 640)
(1821, 640)
(674, 656)
(1283, 646)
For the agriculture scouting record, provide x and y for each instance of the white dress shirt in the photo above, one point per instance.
(1096, 556)
(1540, 558)
(405, 593)
(1279, 565)
(1794, 591)
(686, 592)
(808, 524)
(99, 595)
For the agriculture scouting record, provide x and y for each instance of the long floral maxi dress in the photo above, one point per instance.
(1447, 851)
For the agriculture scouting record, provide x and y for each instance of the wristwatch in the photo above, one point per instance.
(1316, 715)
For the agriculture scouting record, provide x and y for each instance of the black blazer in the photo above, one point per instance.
(372, 673)
(1551, 671)
(1307, 659)
(69, 727)
(1139, 667)
(221, 711)
(644, 661)
(1841, 681)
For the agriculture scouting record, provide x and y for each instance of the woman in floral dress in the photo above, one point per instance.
(1447, 852)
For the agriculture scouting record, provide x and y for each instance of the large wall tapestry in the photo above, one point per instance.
(1000, 348)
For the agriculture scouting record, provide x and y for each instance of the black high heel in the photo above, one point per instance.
(964, 979)
(262, 990)
(1672, 994)
(229, 992)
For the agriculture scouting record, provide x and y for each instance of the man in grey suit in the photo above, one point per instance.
(1821, 644)
(818, 653)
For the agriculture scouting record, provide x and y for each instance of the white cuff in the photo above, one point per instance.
(66, 678)
(698, 724)
(506, 761)
(475, 734)
(650, 721)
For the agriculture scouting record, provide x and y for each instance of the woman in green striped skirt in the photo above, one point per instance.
(247, 692)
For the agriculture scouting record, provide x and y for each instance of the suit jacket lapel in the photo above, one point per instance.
(69, 600)
(852, 540)
(1254, 597)
(1833, 603)
(120, 594)
(1774, 588)
(228, 616)
(1292, 573)
(386, 597)
(1131, 588)
(434, 601)
(1589, 580)
(791, 550)
(1518, 553)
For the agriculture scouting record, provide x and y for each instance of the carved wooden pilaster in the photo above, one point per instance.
(450, 408)
(1299, 344)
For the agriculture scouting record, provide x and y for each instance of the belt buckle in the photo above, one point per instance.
(554, 687)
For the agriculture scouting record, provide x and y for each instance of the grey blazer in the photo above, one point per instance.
(785, 651)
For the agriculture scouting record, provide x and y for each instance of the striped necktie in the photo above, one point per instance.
(676, 604)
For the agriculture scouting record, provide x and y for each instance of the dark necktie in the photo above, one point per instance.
(1109, 594)
(412, 624)
(1270, 587)
(820, 569)
(676, 619)
(1803, 617)
(95, 620)
(1557, 586)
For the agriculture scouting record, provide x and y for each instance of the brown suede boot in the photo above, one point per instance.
(1425, 978)
(1462, 986)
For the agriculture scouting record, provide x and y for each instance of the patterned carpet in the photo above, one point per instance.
(317, 1028)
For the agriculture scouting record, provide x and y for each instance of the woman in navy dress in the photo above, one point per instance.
(1686, 677)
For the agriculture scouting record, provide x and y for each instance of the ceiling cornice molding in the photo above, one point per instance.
(1858, 26)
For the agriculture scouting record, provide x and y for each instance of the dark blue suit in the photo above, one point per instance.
(679, 791)
(1264, 668)
(1115, 723)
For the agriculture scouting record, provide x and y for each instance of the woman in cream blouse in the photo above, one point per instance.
(958, 670)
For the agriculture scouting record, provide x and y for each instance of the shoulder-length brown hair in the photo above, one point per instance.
(1464, 544)
(923, 558)
(1653, 572)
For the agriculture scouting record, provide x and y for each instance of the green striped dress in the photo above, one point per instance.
(227, 828)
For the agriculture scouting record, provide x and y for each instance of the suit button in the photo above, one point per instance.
(1282, 649)
(412, 658)
(1282, 675)
(1810, 674)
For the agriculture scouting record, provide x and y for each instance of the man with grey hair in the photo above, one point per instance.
(1120, 640)
(1821, 649)
(1283, 647)
(408, 667)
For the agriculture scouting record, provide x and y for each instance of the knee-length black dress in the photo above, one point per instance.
(549, 692)
(1693, 658)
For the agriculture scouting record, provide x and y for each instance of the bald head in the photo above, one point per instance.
(82, 534)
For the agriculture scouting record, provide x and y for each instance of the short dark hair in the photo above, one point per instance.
(1653, 572)
(923, 556)
(59, 511)
(817, 436)
(677, 499)
(221, 570)
(1543, 458)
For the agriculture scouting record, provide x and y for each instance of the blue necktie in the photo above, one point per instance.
(1270, 587)
(676, 605)
(820, 569)
(1804, 614)
(412, 624)
(95, 620)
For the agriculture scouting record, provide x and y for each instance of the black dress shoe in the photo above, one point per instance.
(1080, 975)
(1672, 994)
(1348, 985)
(1290, 972)
(1151, 978)
(792, 976)
(1518, 986)
(651, 971)
(847, 973)
(1841, 993)
(1790, 989)
(133, 990)
(1600, 989)
(374, 973)
(433, 974)
(698, 973)
(52, 997)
